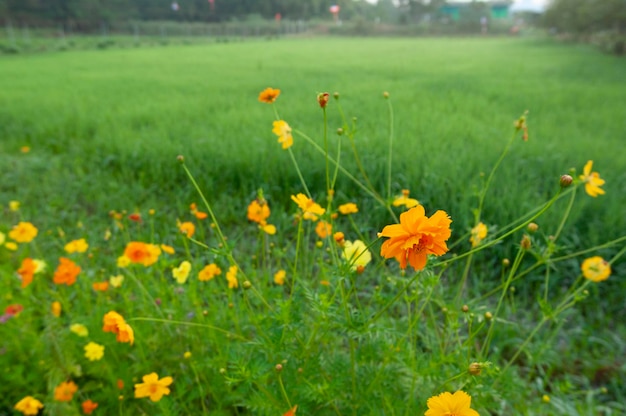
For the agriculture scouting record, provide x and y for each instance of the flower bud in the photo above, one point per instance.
(386, 94)
(246, 284)
(506, 262)
(222, 371)
(336, 95)
(488, 316)
(465, 308)
(475, 369)
(565, 181)
(180, 158)
(525, 243)
(279, 368)
(532, 227)
(339, 131)
(322, 99)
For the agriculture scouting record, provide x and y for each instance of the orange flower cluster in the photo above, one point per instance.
(65, 391)
(259, 212)
(142, 253)
(416, 237)
(199, 214)
(114, 322)
(66, 272)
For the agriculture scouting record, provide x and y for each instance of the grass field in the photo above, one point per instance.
(104, 128)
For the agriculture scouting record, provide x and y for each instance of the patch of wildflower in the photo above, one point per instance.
(141, 253)
(153, 387)
(259, 212)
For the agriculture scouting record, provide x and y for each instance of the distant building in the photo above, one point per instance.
(497, 9)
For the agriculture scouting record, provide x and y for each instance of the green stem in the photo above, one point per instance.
(565, 215)
(389, 158)
(295, 164)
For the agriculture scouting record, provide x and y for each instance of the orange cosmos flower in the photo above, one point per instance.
(592, 181)
(258, 211)
(291, 412)
(323, 229)
(114, 322)
(187, 228)
(23, 232)
(27, 271)
(100, 286)
(65, 391)
(209, 272)
(135, 216)
(56, 308)
(269, 95)
(416, 237)
(283, 131)
(29, 406)
(309, 208)
(66, 272)
(199, 214)
(138, 252)
(88, 406)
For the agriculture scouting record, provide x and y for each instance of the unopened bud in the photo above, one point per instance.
(565, 181)
(279, 367)
(336, 95)
(180, 158)
(525, 243)
(222, 371)
(488, 316)
(386, 94)
(339, 131)
(506, 262)
(465, 308)
(247, 285)
(322, 99)
(532, 227)
(475, 369)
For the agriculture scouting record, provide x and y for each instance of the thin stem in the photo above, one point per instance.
(295, 164)
(565, 215)
(389, 157)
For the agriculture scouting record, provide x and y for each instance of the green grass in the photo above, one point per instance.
(105, 127)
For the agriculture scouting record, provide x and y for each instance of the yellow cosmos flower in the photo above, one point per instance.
(187, 228)
(14, 206)
(309, 208)
(23, 232)
(596, 269)
(349, 208)
(40, 265)
(478, 234)
(79, 329)
(405, 200)
(152, 387)
(94, 352)
(447, 404)
(56, 308)
(76, 246)
(167, 249)
(231, 276)
(29, 406)
(283, 131)
(116, 281)
(279, 277)
(10, 245)
(592, 180)
(209, 272)
(268, 229)
(357, 254)
(323, 229)
(181, 273)
(123, 261)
